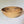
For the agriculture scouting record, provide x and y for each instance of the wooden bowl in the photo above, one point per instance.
(12, 11)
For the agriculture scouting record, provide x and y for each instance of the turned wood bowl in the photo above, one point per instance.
(12, 11)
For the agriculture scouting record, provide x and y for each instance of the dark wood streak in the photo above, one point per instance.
(3, 9)
(21, 9)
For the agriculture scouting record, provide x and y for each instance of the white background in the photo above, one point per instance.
(6, 20)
